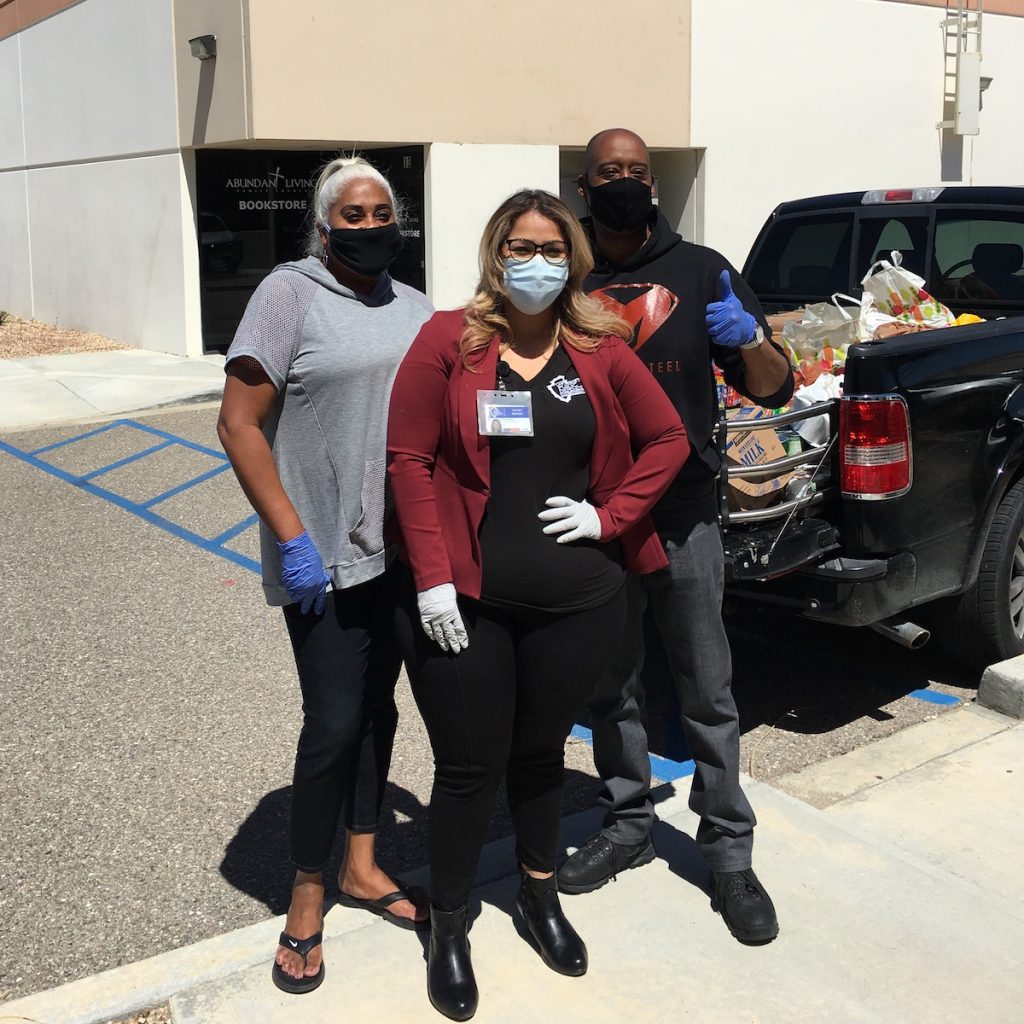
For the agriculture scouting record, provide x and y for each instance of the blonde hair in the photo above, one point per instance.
(580, 321)
(333, 177)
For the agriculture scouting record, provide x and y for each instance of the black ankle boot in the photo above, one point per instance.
(450, 981)
(560, 947)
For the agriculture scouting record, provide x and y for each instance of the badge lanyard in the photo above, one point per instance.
(503, 411)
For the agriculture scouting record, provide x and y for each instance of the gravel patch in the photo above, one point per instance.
(158, 1015)
(23, 339)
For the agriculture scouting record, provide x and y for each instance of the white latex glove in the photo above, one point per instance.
(439, 613)
(574, 520)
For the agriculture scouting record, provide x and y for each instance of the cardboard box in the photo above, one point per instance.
(753, 447)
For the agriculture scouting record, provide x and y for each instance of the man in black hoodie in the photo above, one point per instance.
(688, 308)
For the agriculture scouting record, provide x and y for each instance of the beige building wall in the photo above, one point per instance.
(213, 95)
(533, 72)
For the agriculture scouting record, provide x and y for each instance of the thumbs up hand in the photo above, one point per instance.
(728, 323)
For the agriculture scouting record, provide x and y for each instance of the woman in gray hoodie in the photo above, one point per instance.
(304, 421)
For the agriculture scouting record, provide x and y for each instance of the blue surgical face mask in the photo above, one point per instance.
(532, 286)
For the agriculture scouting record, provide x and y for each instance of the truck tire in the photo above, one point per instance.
(986, 623)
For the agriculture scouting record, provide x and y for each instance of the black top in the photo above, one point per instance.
(522, 566)
(662, 290)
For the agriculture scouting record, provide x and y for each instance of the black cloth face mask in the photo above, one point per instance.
(623, 204)
(367, 251)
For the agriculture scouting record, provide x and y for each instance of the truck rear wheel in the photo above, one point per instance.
(986, 623)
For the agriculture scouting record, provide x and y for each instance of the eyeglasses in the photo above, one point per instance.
(523, 249)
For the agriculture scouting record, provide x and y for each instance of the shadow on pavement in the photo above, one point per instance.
(804, 677)
(257, 859)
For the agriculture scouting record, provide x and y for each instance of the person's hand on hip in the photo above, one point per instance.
(571, 520)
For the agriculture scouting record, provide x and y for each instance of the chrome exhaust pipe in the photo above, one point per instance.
(907, 634)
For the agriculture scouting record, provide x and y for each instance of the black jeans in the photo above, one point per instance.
(503, 706)
(348, 665)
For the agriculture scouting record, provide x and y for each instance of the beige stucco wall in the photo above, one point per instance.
(213, 95)
(533, 72)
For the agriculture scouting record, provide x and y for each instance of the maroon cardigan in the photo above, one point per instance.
(439, 464)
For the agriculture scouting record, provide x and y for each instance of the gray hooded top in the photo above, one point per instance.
(333, 355)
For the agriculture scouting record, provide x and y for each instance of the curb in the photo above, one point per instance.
(1002, 687)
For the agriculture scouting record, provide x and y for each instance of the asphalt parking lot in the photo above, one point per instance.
(151, 708)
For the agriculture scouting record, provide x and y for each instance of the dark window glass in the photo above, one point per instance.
(978, 257)
(807, 258)
(880, 235)
(254, 212)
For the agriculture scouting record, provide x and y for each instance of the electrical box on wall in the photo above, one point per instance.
(967, 119)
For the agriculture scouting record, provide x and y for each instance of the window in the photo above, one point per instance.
(880, 235)
(978, 257)
(804, 257)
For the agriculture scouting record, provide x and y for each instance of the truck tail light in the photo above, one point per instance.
(874, 447)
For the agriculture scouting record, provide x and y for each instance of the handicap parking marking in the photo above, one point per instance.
(144, 510)
(934, 697)
(661, 767)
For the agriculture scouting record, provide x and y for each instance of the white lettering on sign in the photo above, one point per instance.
(276, 180)
(272, 204)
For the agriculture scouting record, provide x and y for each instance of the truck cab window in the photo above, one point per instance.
(880, 235)
(804, 257)
(978, 257)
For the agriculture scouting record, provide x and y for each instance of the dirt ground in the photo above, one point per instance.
(22, 339)
(161, 1015)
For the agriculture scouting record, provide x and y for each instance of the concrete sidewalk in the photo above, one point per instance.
(902, 901)
(87, 385)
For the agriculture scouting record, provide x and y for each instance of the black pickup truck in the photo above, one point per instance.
(915, 512)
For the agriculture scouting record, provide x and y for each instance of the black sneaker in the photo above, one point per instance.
(744, 905)
(598, 860)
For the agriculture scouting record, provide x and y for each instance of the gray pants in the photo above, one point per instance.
(687, 607)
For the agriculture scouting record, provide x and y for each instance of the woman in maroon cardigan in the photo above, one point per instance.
(526, 444)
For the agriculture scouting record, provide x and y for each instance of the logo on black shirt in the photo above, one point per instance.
(645, 307)
(564, 390)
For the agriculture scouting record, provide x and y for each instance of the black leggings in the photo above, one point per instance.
(348, 665)
(503, 706)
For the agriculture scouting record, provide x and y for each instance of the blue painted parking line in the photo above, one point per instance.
(146, 428)
(661, 767)
(934, 697)
(202, 478)
(143, 510)
(235, 530)
(77, 437)
(127, 460)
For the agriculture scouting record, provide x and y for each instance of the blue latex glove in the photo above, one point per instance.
(728, 323)
(302, 572)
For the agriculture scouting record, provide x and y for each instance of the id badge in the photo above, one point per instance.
(505, 412)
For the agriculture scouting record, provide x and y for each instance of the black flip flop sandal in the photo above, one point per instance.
(298, 986)
(380, 906)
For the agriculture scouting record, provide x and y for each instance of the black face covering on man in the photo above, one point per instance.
(623, 204)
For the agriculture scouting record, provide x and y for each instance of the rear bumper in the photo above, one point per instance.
(845, 591)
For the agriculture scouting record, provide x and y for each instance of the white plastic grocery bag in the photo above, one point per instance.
(815, 430)
(901, 294)
(819, 343)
